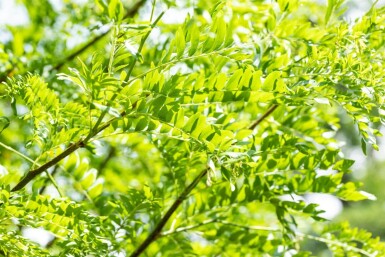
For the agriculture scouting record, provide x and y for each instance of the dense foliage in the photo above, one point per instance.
(126, 131)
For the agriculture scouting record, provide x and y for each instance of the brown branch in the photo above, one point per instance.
(103, 164)
(267, 113)
(33, 173)
(70, 149)
(93, 41)
(81, 143)
(158, 229)
(41, 191)
(130, 13)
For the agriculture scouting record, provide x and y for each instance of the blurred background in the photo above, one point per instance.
(370, 169)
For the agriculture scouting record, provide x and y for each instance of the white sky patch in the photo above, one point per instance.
(292, 197)
(328, 203)
(327, 172)
(360, 165)
(38, 235)
(57, 5)
(176, 16)
(380, 154)
(3, 171)
(79, 35)
(12, 14)
(179, 68)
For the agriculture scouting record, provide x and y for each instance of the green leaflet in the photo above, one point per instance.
(153, 129)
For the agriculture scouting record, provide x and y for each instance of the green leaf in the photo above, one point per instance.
(269, 83)
(4, 123)
(194, 39)
(363, 146)
(142, 124)
(88, 179)
(95, 190)
(115, 10)
(180, 42)
(233, 83)
(108, 109)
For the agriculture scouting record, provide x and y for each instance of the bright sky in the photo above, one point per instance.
(13, 14)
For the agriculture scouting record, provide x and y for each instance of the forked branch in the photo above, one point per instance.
(158, 229)
(97, 129)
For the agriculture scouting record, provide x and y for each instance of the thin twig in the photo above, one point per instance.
(34, 163)
(93, 41)
(53, 181)
(81, 143)
(33, 173)
(187, 228)
(337, 243)
(264, 228)
(206, 222)
(267, 113)
(103, 164)
(18, 153)
(42, 189)
(158, 228)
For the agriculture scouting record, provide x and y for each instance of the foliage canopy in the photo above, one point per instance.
(125, 131)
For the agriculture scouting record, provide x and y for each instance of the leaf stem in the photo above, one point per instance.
(93, 41)
(158, 228)
(187, 228)
(267, 113)
(103, 114)
(264, 228)
(53, 181)
(336, 243)
(73, 147)
(18, 153)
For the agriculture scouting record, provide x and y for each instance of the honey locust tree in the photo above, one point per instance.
(187, 128)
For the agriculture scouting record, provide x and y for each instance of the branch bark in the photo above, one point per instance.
(33, 173)
(81, 143)
(131, 13)
(70, 149)
(158, 229)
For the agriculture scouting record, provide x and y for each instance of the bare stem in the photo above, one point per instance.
(96, 39)
(81, 143)
(158, 229)
(267, 113)
(264, 228)
(33, 173)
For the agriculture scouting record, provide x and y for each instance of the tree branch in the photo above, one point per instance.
(158, 229)
(263, 228)
(187, 228)
(97, 129)
(103, 164)
(93, 41)
(267, 113)
(70, 149)
(33, 173)
(130, 13)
